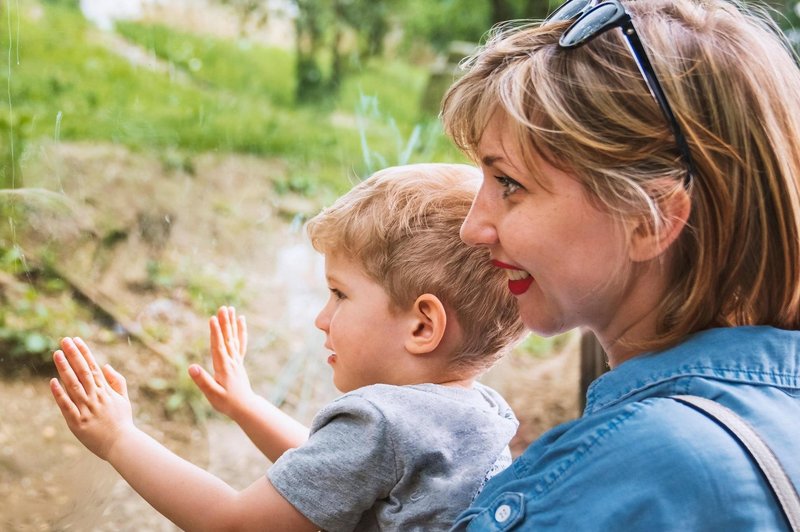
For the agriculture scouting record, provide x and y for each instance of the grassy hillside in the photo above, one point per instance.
(66, 81)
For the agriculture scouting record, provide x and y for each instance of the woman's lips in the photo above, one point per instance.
(518, 280)
(520, 286)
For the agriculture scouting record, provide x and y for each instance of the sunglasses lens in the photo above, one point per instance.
(569, 10)
(597, 20)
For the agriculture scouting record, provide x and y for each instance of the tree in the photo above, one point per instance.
(503, 10)
(322, 49)
(249, 11)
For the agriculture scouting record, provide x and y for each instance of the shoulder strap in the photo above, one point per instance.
(778, 480)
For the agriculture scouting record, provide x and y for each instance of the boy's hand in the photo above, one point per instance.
(229, 391)
(94, 402)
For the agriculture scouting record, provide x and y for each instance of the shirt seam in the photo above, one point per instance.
(597, 438)
(592, 396)
(390, 437)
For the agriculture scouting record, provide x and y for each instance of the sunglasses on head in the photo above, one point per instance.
(590, 19)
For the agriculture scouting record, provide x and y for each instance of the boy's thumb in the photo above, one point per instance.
(202, 379)
(116, 380)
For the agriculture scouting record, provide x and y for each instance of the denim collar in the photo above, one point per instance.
(756, 355)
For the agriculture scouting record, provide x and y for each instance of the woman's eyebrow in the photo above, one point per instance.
(489, 160)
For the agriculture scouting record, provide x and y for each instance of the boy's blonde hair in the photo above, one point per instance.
(735, 89)
(402, 226)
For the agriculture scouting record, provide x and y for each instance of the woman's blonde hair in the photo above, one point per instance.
(402, 226)
(734, 86)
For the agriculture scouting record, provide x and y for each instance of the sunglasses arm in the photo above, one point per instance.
(653, 85)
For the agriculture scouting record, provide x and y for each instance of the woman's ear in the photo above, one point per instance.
(428, 324)
(648, 243)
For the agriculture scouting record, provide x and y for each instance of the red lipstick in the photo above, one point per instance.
(519, 287)
(516, 286)
(503, 265)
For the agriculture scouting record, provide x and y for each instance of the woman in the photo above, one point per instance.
(642, 179)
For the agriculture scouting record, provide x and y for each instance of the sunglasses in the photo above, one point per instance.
(592, 19)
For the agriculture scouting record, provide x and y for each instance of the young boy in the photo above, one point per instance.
(414, 317)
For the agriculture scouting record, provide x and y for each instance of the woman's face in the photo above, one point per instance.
(566, 259)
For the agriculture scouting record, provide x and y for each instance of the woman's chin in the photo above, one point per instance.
(539, 323)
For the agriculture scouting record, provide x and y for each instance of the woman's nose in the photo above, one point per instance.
(478, 228)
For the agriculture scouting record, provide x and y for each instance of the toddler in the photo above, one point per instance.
(414, 317)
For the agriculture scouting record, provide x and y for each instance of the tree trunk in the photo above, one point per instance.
(501, 10)
(309, 74)
(536, 9)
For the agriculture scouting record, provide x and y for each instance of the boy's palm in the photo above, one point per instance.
(93, 400)
(229, 390)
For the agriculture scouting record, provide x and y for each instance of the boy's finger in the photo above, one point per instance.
(205, 382)
(94, 367)
(79, 365)
(218, 348)
(224, 326)
(234, 338)
(115, 380)
(242, 336)
(227, 330)
(222, 317)
(72, 385)
(65, 404)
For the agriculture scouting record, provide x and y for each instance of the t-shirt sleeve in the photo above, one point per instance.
(347, 464)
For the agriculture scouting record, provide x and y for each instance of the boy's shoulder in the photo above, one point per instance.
(427, 446)
(422, 405)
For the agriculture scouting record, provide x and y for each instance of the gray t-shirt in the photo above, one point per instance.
(397, 457)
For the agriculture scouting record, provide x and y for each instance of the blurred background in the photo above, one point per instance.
(158, 159)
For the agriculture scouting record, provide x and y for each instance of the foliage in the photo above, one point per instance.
(420, 140)
(72, 4)
(440, 23)
(539, 346)
(323, 50)
(15, 129)
(237, 67)
(179, 394)
(33, 313)
(206, 288)
(214, 95)
(256, 11)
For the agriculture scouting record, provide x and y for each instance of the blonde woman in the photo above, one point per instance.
(641, 167)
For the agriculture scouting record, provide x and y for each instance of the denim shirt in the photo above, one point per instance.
(638, 460)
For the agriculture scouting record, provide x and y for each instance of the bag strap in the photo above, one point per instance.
(777, 478)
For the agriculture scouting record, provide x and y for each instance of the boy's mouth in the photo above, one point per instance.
(331, 358)
(518, 280)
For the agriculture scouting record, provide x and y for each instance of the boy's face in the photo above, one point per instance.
(365, 338)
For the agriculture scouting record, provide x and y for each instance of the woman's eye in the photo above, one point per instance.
(509, 185)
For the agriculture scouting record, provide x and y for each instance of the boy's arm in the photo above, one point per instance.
(95, 404)
(229, 391)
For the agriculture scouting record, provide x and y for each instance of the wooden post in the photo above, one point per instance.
(593, 363)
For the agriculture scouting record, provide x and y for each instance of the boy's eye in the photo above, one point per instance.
(338, 294)
(509, 185)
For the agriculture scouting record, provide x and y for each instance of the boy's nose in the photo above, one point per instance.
(323, 321)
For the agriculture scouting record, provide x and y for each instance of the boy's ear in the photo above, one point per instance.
(428, 324)
(646, 242)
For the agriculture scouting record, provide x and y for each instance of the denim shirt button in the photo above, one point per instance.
(502, 513)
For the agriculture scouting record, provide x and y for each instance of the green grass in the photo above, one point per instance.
(238, 67)
(231, 97)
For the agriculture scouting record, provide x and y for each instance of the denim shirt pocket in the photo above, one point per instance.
(505, 511)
